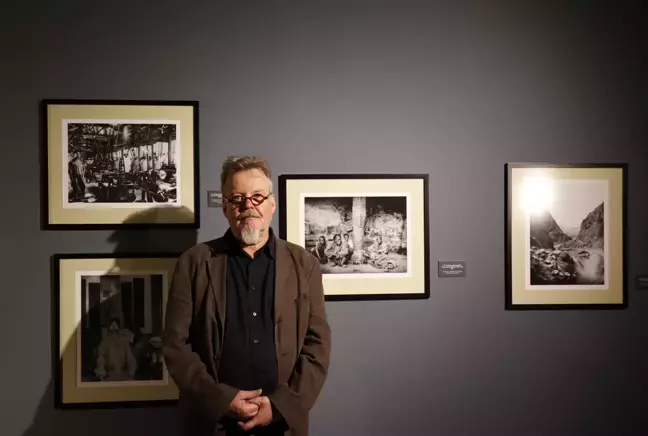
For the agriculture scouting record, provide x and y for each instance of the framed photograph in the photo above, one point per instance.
(114, 164)
(369, 231)
(566, 246)
(109, 322)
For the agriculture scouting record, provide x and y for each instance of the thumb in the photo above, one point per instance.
(246, 395)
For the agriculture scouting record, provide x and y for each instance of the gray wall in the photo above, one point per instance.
(453, 91)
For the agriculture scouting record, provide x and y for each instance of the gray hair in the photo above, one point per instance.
(234, 164)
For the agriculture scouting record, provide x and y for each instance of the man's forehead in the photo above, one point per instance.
(249, 180)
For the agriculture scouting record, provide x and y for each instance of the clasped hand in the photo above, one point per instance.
(251, 409)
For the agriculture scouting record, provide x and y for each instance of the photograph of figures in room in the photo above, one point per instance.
(121, 163)
(121, 328)
(357, 235)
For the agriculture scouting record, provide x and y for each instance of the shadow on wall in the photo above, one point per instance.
(131, 305)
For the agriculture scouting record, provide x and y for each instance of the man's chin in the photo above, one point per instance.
(245, 227)
(250, 235)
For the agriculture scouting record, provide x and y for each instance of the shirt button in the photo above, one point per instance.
(253, 313)
(256, 341)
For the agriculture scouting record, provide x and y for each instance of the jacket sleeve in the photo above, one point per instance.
(295, 398)
(184, 365)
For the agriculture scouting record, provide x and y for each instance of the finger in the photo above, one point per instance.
(249, 405)
(258, 401)
(249, 424)
(250, 410)
(246, 395)
(247, 415)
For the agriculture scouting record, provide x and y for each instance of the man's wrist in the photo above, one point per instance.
(276, 415)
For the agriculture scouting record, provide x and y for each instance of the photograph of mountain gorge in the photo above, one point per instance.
(567, 237)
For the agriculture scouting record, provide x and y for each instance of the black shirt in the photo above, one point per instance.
(249, 360)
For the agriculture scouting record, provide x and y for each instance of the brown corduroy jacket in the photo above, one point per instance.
(194, 331)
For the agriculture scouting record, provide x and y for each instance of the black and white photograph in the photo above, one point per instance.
(120, 329)
(567, 236)
(357, 234)
(115, 164)
(111, 309)
(121, 163)
(368, 232)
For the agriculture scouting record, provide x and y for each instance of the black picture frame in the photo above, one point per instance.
(172, 201)
(70, 358)
(408, 190)
(593, 273)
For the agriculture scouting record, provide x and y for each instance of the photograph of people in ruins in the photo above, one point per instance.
(121, 163)
(567, 236)
(120, 329)
(357, 235)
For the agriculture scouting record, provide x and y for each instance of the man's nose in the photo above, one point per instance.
(244, 204)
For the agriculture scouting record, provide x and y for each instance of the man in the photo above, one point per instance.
(319, 250)
(246, 334)
(349, 245)
(377, 253)
(336, 253)
(76, 172)
(115, 359)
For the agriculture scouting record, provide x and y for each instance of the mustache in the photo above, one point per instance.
(249, 214)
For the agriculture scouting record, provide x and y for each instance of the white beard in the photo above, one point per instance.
(250, 236)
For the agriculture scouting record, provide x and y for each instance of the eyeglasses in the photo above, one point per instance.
(256, 199)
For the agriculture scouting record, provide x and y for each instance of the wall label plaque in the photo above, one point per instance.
(452, 268)
(642, 281)
(214, 199)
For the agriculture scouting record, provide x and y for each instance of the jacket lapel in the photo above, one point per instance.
(284, 270)
(283, 299)
(217, 270)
